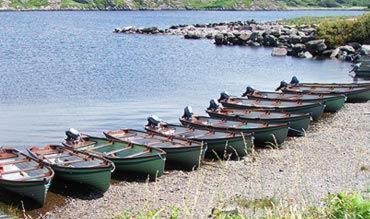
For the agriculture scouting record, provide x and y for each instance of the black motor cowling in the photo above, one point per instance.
(214, 105)
(224, 96)
(294, 81)
(355, 67)
(249, 90)
(153, 120)
(188, 112)
(283, 84)
(73, 135)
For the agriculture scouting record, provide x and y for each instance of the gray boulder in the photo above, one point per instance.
(306, 55)
(334, 54)
(256, 37)
(253, 44)
(220, 39)
(294, 39)
(209, 36)
(365, 49)
(316, 46)
(347, 48)
(192, 35)
(279, 51)
(270, 40)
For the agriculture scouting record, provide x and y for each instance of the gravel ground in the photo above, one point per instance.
(330, 158)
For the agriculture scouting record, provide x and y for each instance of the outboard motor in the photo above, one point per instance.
(355, 67)
(73, 135)
(223, 96)
(214, 105)
(249, 90)
(283, 84)
(188, 112)
(294, 81)
(153, 120)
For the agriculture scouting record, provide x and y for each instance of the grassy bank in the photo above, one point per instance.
(338, 31)
(341, 205)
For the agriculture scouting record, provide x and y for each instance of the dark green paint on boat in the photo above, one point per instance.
(75, 166)
(181, 153)
(129, 158)
(264, 133)
(332, 103)
(34, 185)
(298, 123)
(217, 142)
(314, 109)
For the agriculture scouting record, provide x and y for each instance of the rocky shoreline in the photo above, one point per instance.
(297, 41)
(333, 156)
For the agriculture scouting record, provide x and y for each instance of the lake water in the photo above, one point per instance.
(68, 69)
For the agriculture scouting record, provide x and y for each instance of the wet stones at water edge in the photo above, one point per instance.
(298, 41)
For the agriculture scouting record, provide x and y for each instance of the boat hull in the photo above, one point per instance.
(35, 190)
(332, 104)
(315, 110)
(152, 166)
(362, 73)
(359, 96)
(274, 135)
(297, 125)
(97, 178)
(238, 146)
(187, 158)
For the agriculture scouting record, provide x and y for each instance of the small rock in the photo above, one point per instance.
(306, 55)
(365, 49)
(279, 51)
(334, 53)
(347, 48)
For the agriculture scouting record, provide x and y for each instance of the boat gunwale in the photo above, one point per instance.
(160, 153)
(235, 135)
(269, 107)
(108, 164)
(323, 99)
(246, 130)
(297, 116)
(44, 180)
(268, 125)
(196, 146)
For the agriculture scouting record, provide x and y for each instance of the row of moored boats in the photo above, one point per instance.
(234, 125)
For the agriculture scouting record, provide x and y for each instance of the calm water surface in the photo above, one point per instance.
(67, 69)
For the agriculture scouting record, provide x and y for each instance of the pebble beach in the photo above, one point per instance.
(333, 156)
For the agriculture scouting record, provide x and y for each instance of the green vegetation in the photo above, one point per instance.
(337, 206)
(29, 4)
(338, 31)
(214, 4)
(326, 3)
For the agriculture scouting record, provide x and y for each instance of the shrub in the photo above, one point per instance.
(343, 205)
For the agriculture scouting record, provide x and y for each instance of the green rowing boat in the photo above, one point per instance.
(127, 157)
(75, 166)
(186, 154)
(298, 123)
(24, 175)
(295, 82)
(314, 109)
(220, 143)
(332, 103)
(353, 93)
(264, 133)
